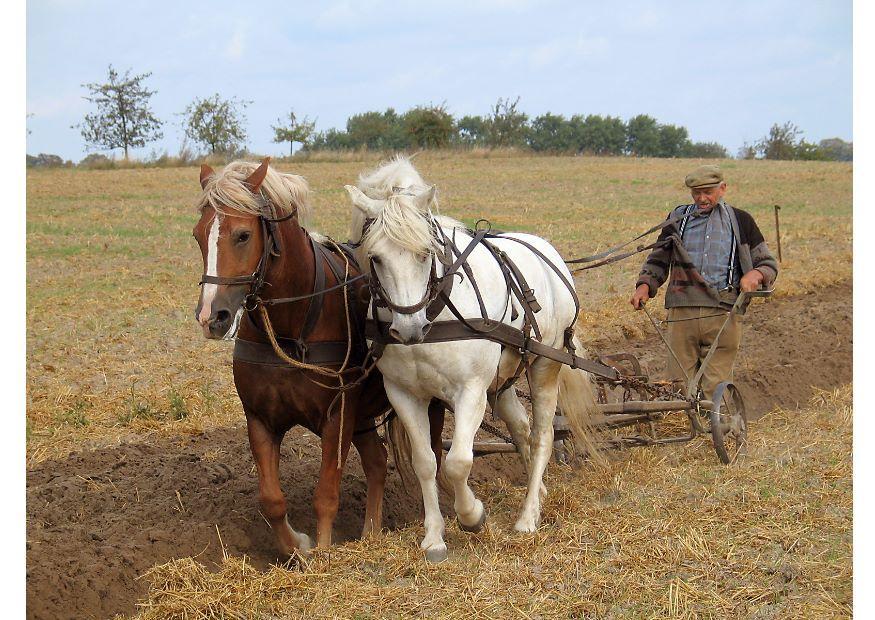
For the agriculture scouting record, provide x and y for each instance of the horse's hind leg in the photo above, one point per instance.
(265, 446)
(326, 498)
(544, 374)
(509, 408)
(373, 454)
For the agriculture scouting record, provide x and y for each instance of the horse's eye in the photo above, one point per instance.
(244, 236)
(375, 259)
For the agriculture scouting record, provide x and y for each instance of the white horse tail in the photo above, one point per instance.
(578, 404)
(402, 453)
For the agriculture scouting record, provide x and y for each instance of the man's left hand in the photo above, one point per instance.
(751, 281)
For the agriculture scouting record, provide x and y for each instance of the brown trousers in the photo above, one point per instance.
(691, 337)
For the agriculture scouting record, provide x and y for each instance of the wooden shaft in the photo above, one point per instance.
(638, 406)
(778, 233)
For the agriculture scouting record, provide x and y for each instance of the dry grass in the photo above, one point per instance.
(659, 533)
(112, 347)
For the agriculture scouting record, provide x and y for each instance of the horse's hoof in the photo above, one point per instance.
(525, 526)
(436, 555)
(473, 529)
(304, 544)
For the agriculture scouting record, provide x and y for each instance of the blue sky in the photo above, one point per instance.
(725, 70)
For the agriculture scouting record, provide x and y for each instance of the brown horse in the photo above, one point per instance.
(265, 275)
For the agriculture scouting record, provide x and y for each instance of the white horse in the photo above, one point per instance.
(394, 204)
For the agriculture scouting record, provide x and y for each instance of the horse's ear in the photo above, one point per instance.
(366, 205)
(257, 178)
(206, 173)
(424, 200)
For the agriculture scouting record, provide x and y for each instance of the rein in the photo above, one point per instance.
(610, 255)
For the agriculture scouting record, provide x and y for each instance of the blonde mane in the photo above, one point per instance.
(401, 220)
(226, 190)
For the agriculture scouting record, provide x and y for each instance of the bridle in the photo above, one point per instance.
(436, 284)
(272, 247)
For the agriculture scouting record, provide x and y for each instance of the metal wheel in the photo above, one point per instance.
(728, 422)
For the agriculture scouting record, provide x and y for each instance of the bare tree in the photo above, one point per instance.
(216, 123)
(292, 130)
(506, 126)
(123, 118)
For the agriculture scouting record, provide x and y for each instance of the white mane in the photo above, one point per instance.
(396, 183)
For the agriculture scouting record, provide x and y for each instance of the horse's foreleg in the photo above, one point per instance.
(544, 375)
(469, 410)
(326, 498)
(413, 413)
(373, 454)
(265, 446)
(436, 415)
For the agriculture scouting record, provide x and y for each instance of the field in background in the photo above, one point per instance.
(112, 346)
(656, 534)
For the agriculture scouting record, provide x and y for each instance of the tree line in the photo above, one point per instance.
(123, 119)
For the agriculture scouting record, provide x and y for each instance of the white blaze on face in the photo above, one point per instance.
(208, 294)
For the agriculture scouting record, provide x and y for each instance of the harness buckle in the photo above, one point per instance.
(251, 302)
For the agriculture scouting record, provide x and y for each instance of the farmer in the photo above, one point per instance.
(713, 251)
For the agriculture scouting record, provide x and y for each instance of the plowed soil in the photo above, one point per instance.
(100, 518)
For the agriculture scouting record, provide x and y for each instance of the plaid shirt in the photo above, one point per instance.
(672, 261)
(710, 242)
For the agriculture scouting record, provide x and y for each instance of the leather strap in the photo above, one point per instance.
(262, 353)
(502, 333)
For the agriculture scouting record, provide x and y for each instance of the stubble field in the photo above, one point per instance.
(115, 361)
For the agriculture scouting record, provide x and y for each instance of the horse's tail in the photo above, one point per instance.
(578, 404)
(402, 453)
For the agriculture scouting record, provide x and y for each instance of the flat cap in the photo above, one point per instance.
(704, 176)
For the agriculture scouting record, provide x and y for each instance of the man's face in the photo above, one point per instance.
(706, 198)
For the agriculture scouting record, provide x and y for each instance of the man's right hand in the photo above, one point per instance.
(640, 296)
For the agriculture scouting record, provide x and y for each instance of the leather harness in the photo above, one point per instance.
(437, 297)
(318, 353)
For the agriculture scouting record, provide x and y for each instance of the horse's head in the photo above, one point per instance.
(398, 246)
(232, 244)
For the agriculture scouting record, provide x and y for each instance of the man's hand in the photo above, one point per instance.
(641, 295)
(751, 281)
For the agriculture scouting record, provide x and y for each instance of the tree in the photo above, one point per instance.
(377, 131)
(331, 140)
(837, 149)
(747, 151)
(599, 135)
(781, 143)
(472, 130)
(506, 126)
(642, 136)
(123, 118)
(292, 130)
(428, 126)
(216, 123)
(706, 150)
(673, 141)
(552, 132)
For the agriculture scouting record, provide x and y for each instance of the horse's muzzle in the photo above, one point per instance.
(218, 324)
(409, 333)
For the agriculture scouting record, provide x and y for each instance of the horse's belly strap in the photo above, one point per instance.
(317, 353)
(487, 329)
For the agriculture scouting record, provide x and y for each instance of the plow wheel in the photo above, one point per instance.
(728, 422)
